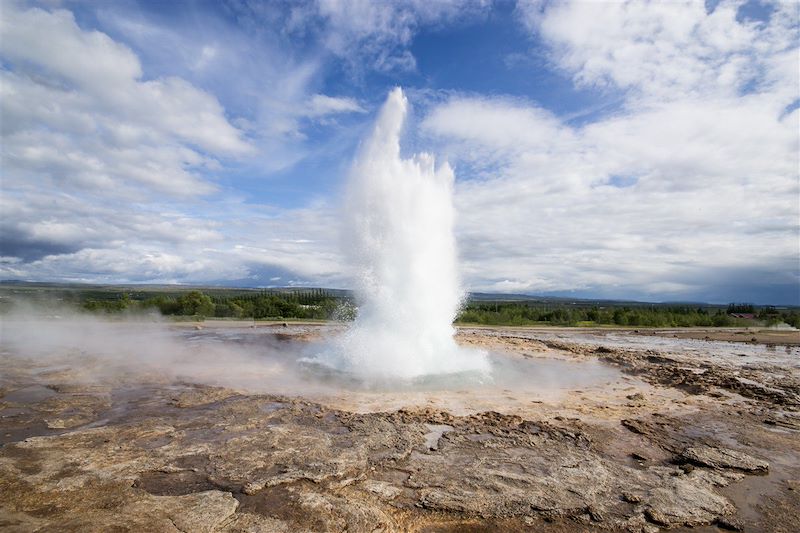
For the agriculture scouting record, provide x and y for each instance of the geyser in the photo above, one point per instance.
(398, 235)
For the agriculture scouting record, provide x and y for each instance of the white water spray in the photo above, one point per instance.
(399, 237)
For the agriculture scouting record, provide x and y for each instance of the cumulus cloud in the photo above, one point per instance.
(380, 32)
(106, 172)
(321, 105)
(160, 243)
(362, 34)
(77, 112)
(666, 49)
(697, 173)
(115, 145)
(90, 69)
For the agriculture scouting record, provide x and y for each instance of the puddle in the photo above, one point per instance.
(292, 362)
(480, 437)
(283, 502)
(31, 428)
(174, 483)
(735, 353)
(549, 373)
(508, 372)
(749, 494)
(13, 412)
(30, 394)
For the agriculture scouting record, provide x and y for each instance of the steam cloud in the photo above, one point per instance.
(75, 347)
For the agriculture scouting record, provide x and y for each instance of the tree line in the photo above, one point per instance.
(326, 305)
(307, 304)
(522, 313)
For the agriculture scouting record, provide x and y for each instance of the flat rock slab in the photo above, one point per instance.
(717, 457)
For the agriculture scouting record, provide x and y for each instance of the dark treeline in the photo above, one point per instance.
(741, 308)
(298, 304)
(525, 313)
(323, 304)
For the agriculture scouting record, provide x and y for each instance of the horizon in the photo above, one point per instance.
(617, 151)
(490, 296)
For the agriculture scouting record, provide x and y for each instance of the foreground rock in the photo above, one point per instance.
(717, 457)
(184, 457)
(227, 462)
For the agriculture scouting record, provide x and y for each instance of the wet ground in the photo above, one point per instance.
(576, 431)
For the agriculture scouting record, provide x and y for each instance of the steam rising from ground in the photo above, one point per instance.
(399, 236)
(89, 349)
(38, 347)
(133, 352)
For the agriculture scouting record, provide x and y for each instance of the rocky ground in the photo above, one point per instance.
(685, 434)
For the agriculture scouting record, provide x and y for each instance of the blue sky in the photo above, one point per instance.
(601, 149)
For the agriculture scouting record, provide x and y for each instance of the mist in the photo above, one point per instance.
(96, 349)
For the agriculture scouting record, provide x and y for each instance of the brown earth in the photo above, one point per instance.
(685, 438)
(754, 335)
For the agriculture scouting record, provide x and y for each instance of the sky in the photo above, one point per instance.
(624, 150)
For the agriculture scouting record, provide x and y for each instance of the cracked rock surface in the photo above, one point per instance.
(640, 454)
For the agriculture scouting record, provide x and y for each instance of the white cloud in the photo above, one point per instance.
(382, 31)
(135, 263)
(107, 76)
(256, 61)
(320, 105)
(106, 163)
(649, 200)
(665, 49)
(104, 171)
(69, 238)
(503, 124)
(53, 41)
(545, 215)
(77, 115)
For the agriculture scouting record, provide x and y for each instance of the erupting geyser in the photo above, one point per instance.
(399, 237)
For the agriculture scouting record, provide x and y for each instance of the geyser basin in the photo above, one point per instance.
(200, 451)
(515, 381)
(274, 360)
(398, 234)
(267, 360)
